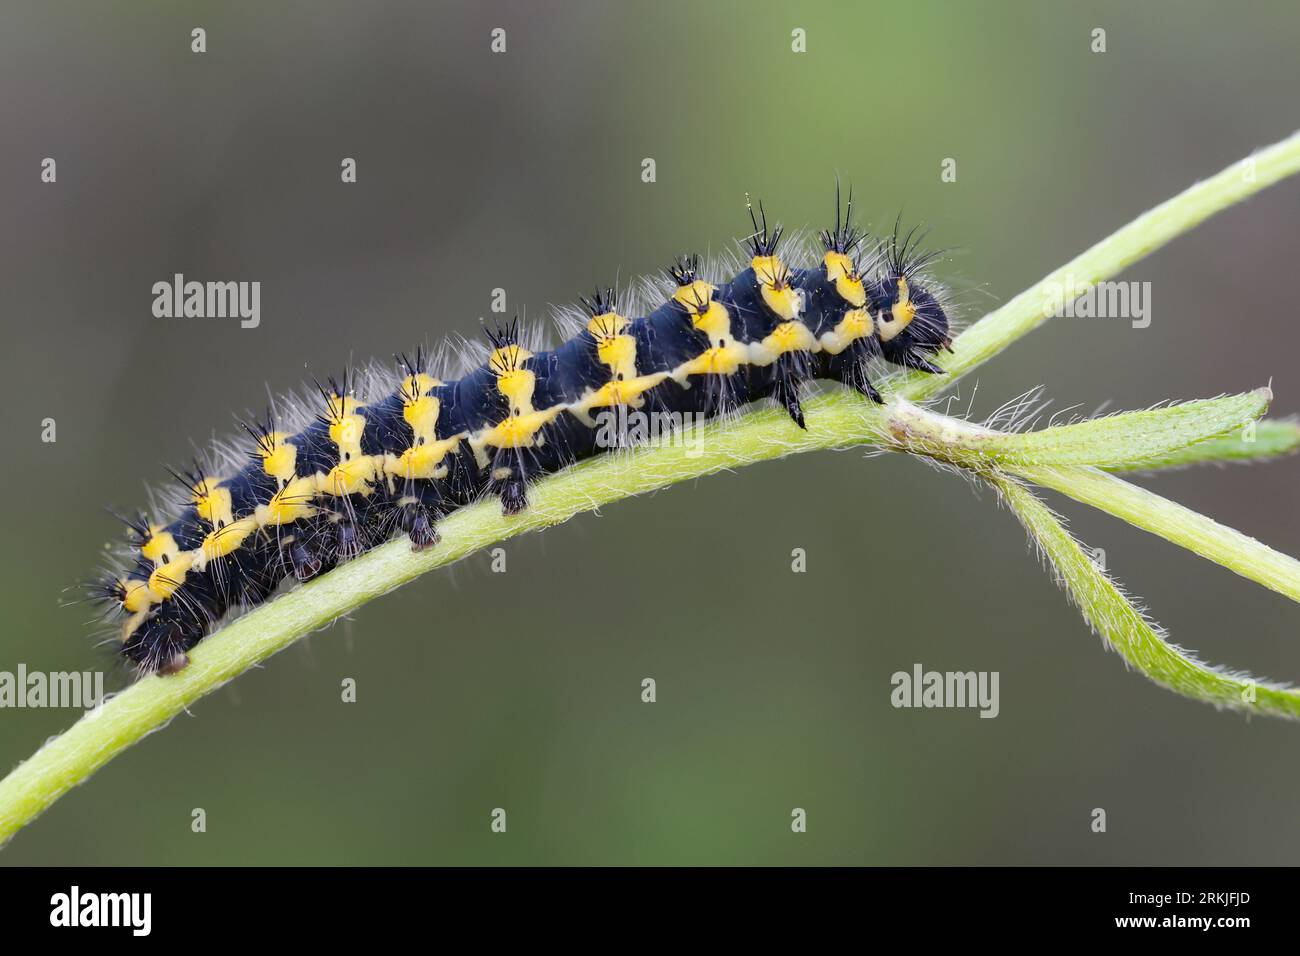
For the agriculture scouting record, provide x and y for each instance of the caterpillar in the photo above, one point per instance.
(323, 480)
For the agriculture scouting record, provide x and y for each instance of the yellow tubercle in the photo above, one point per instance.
(345, 432)
(621, 392)
(421, 461)
(841, 271)
(773, 281)
(135, 596)
(212, 503)
(352, 476)
(901, 315)
(837, 264)
(694, 296)
(224, 540)
(132, 624)
(607, 325)
(725, 359)
(419, 384)
(160, 545)
(166, 578)
(519, 431)
(619, 354)
(517, 386)
(290, 503)
(851, 290)
(422, 415)
(769, 270)
(508, 358)
(280, 460)
(785, 300)
(715, 321)
(790, 337)
(855, 325)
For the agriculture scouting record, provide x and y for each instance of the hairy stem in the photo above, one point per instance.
(1173, 522)
(1145, 234)
(1114, 441)
(1268, 439)
(1068, 459)
(1113, 616)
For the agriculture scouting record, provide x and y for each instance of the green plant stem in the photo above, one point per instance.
(1173, 522)
(1148, 232)
(1270, 439)
(834, 421)
(1066, 459)
(1112, 615)
(1113, 441)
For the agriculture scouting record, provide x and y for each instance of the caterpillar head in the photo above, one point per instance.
(910, 320)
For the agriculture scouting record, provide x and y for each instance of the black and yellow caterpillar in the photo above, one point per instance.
(323, 489)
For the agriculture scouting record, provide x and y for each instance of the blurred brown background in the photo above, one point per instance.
(522, 170)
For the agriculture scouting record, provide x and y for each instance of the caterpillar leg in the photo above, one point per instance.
(174, 664)
(418, 514)
(915, 361)
(350, 538)
(513, 494)
(305, 562)
(792, 370)
(863, 385)
(306, 547)
(509, 480)
(418, 522)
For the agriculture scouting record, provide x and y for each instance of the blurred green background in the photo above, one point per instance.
(522, 170)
